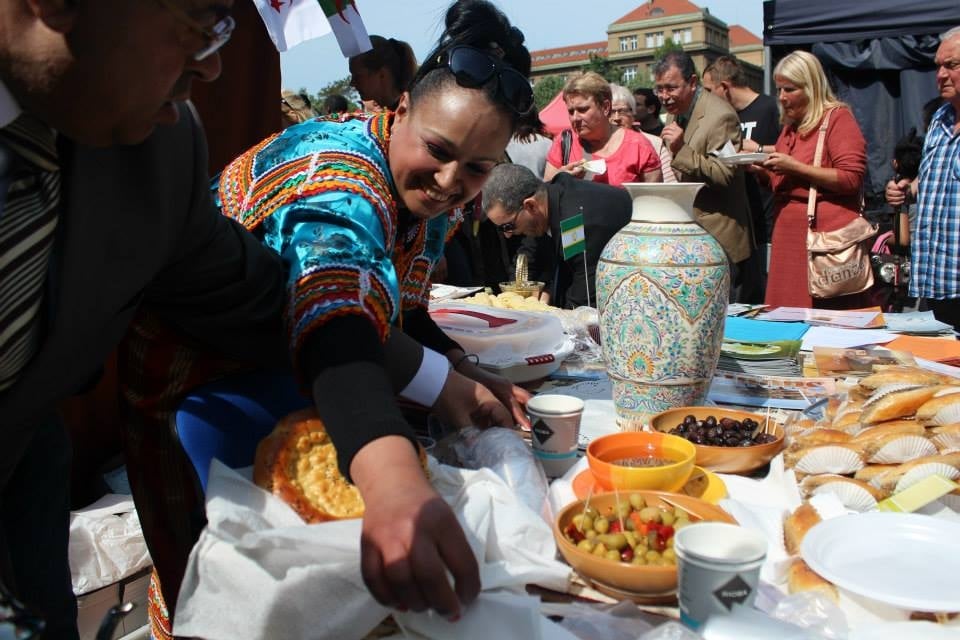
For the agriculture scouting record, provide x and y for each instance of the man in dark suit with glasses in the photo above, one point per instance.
(105, 207)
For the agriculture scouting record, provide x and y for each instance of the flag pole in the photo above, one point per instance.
(586, 274)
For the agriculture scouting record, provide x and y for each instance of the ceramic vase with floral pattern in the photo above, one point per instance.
(662, 290)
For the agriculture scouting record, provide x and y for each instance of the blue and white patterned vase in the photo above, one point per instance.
(662, 290)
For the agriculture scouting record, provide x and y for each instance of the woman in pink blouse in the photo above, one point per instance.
(627, 154)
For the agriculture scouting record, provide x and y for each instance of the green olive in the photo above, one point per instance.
(590, 534)
(670, 555)
(616, 541)
(601, 525)
(680, 523)
(652, 556)
(622, 509)
(637, 501)
(586, 545)
(667, 517)
(582, 522)
(590, 511)
(613, 554)
(629, 524)
(631, 538)
(650, 514)
(599, 550)
(638, 559)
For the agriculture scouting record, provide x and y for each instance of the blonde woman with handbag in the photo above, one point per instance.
(819, 194)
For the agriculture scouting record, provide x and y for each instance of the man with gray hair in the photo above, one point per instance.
(518, 202)
(622, 109)
(935, 236)
(699, 124)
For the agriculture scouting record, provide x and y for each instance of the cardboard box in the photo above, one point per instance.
(93, 607)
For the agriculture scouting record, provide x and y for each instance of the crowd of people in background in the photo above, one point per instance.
(755, 212)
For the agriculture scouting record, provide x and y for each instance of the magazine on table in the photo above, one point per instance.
(865, 319)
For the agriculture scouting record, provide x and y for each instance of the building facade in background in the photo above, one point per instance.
(633, 38)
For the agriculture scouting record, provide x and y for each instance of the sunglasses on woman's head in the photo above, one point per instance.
(473, 68)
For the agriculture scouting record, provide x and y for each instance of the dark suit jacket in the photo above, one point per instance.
(606, 210)
(721, 206)
(137, 226)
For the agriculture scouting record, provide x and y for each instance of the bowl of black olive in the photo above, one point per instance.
(726, 440)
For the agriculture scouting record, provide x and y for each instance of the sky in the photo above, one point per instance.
(545, 23)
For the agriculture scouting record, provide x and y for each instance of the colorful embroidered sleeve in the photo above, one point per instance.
(320, 195)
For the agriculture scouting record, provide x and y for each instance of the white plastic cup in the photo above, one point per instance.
(718, 566)
(555, 421)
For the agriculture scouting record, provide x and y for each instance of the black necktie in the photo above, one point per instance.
(28, 219)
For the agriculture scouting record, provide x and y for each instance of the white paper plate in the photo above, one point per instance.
(744, 158)
(906, 560)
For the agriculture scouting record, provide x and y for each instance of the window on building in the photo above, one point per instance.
(654, 40)
(628, 43)
(629, 75)
(681, 36)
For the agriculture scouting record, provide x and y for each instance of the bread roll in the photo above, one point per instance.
(800, 577)
(796, 525)
(811, 483)
(884, 429)
(900, 375)
(820, 436)
(298, 463)
(888, 404)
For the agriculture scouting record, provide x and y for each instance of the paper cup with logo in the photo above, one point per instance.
(555, 421)
(718, 567)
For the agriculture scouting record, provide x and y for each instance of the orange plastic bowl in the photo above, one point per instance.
(723, 459)
(643, 580)
(605, 450)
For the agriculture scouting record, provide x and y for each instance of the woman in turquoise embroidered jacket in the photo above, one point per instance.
(360, 212)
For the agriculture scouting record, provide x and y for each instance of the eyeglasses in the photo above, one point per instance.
(473, 68)
(661, 89)
(216, 36)
(621, 112)
(510, 227)
(950, 65)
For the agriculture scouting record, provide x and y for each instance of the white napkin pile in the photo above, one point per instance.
(259, 572)
(106, 543)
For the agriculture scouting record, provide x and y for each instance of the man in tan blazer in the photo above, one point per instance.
(699, 124)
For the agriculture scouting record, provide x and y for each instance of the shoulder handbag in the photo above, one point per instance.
(838, 262)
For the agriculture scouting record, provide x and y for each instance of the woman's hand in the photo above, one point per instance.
(410, 538)
(576, 169)
(782, 163)
(512, 396)
(464, 402)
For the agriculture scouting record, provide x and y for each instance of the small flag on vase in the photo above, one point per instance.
(290, 22)
(347, 26)
(572, 236)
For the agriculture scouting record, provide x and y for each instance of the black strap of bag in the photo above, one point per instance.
(566, 141)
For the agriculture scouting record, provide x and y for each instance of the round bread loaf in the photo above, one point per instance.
(298, 463)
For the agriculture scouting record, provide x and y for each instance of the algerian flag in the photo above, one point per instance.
(290, 22)
(347, 26)
(572, 236)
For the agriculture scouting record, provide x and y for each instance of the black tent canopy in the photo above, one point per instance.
(797, 22)
(879, 57)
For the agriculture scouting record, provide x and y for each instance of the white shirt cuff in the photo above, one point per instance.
(431, 376)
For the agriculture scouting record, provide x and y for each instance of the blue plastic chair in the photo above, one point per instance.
(226, 419)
